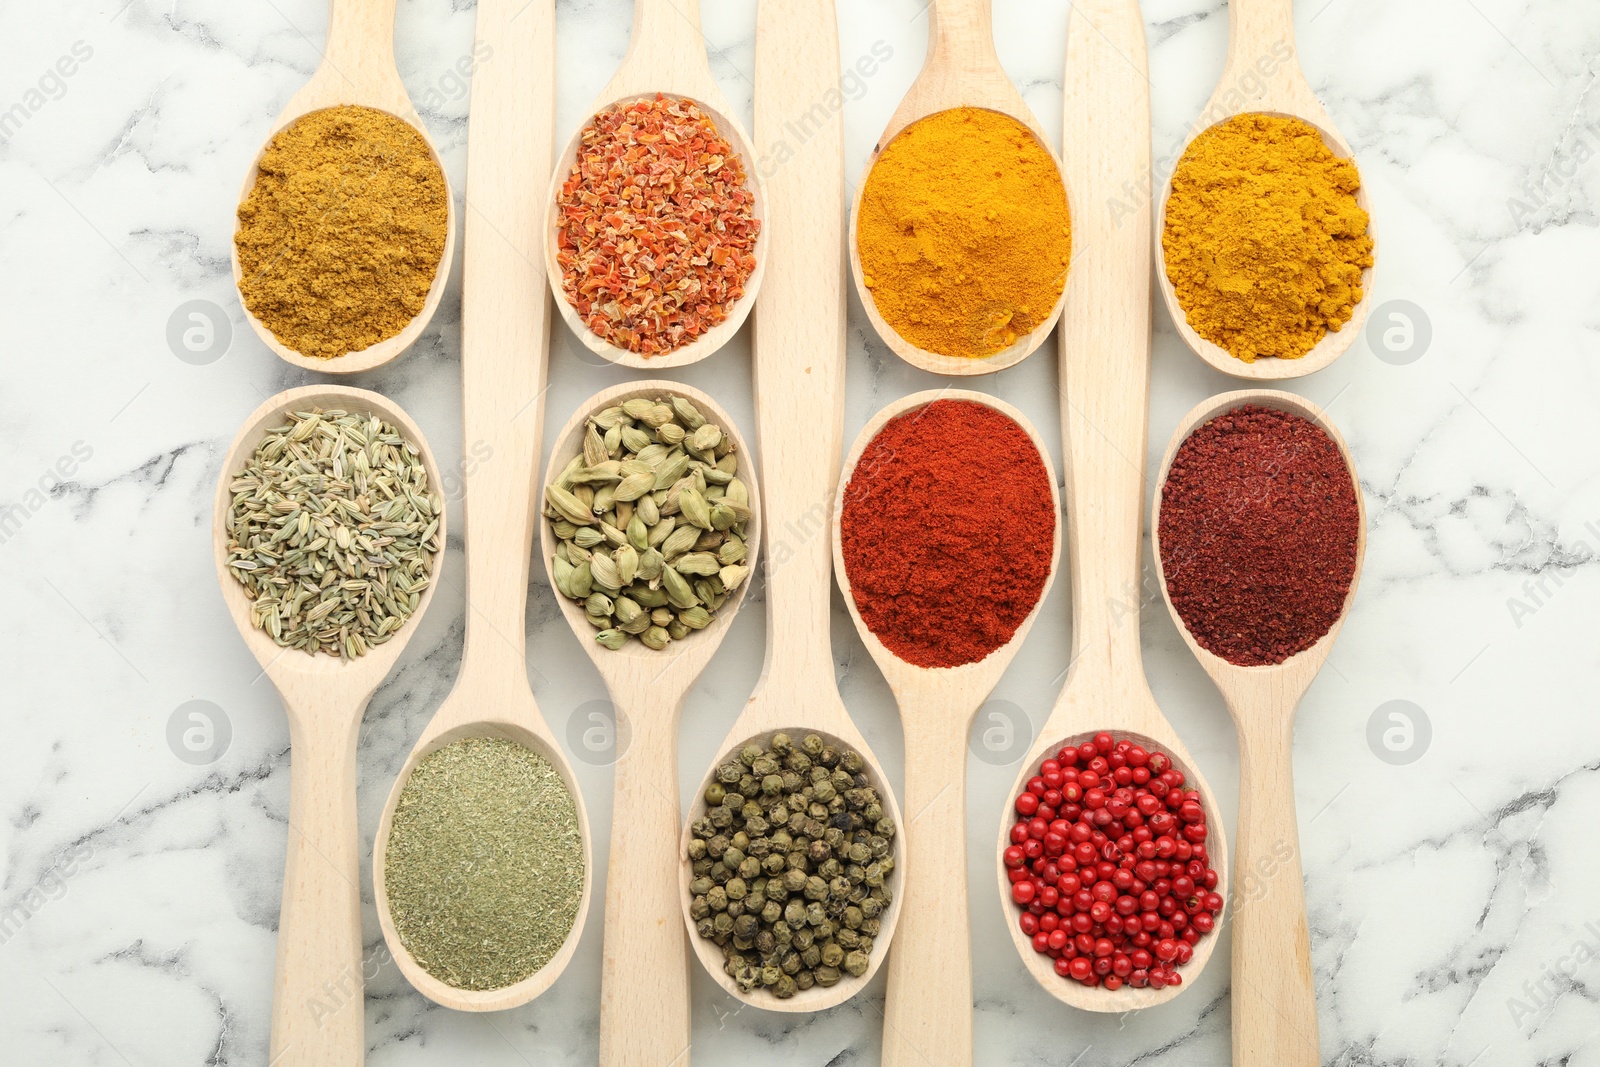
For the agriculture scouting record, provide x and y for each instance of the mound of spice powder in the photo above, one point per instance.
(657, 231)
(947, 530)
(340, 237)
(1264, 241)
(1258, 533)
(484, 866)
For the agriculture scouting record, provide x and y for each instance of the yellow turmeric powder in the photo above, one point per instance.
(1264, 241)
(341, 235)
(963, 233)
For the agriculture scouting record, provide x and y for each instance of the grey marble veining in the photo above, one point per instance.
(1451, 897)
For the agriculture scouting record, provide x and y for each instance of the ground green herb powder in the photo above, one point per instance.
(484, 868)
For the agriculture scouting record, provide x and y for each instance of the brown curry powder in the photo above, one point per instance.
(1264, 241)
(340, 237)
(964, 233)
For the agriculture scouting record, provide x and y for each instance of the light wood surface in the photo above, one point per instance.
(1274, 993)
(928, 1012)
(643, 938)
(799, 343)
(357, 68)
(505, 338)
(319, 926)
(961, 70)
(667, 55)
(1263, 74)
(1105, 374)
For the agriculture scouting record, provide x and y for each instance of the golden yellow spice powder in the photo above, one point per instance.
(963, 233)
(340, 237)
(1264, 241)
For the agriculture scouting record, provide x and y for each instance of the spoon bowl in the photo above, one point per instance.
(1274, 1002)
(937, 706)
(1262, 75)
(505, 349)
(817, 998)
(666, 56)
(648, 689)
(358, 67)
(461, 717)
(1098, 998)
(962, 69)
(319, 927)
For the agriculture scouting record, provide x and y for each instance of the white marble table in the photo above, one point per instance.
(1450, 924)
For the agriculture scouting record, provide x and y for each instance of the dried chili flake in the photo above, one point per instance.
(657, 229)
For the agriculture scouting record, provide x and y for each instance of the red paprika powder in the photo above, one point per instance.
(1258, 534)
(947, 530)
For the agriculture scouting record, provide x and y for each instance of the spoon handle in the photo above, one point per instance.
(1105, 330)
(927, 1012)
(644, 972)
(317, 1016)
(799, 333)
(360, 45)
(1274, 992)
(961, 32)
(505, 340)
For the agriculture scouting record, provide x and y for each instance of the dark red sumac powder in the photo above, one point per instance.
(946, 531)
(1258, 534)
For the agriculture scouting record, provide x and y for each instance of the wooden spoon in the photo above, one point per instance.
(1105, 370)
(666, 55)
(644, 975)
(799, 367)
(505, 345)
(1262, 74)
(357, 68)
(1274, 995)
(961, 70)
(319, 926)
(929, 1010)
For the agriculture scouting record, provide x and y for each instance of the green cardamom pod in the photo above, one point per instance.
(612, 639)
(737, 493)
(635, 486)
(626, 609)
(569, 506)
(638, 406)
(733, 575)
(671, 434)
(679, 593)
(655, 638)
(594, 447)
(650, 561)
(658, 415)
(598, 604)
(574, 465)
(608, 418)
(652, 455)
(613, 535)
(696, 618)
(638, 533)
(613, 440)
(701, 564)
(605, 573)
(627, 561)
(563, 529)
(648, 597)
(728, 462)
(648, 509)
(687, 413)
(662, 529)
(561, 572)
(723, 517)
(672, 468)
(604, 497)
(732, 551)
(634, 439)
(681, 540)
(714, 475)
(706, 438)
(677, 630)
(694, 507)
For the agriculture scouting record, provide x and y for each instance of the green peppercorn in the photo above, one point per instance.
(717, 897)
(785, 987)
(714, 794)
(749, 754)
(722, 924)
(698, 908)
(729, 773)
(832, 954)
(805, 980)
(700, 886)
(856, 963)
